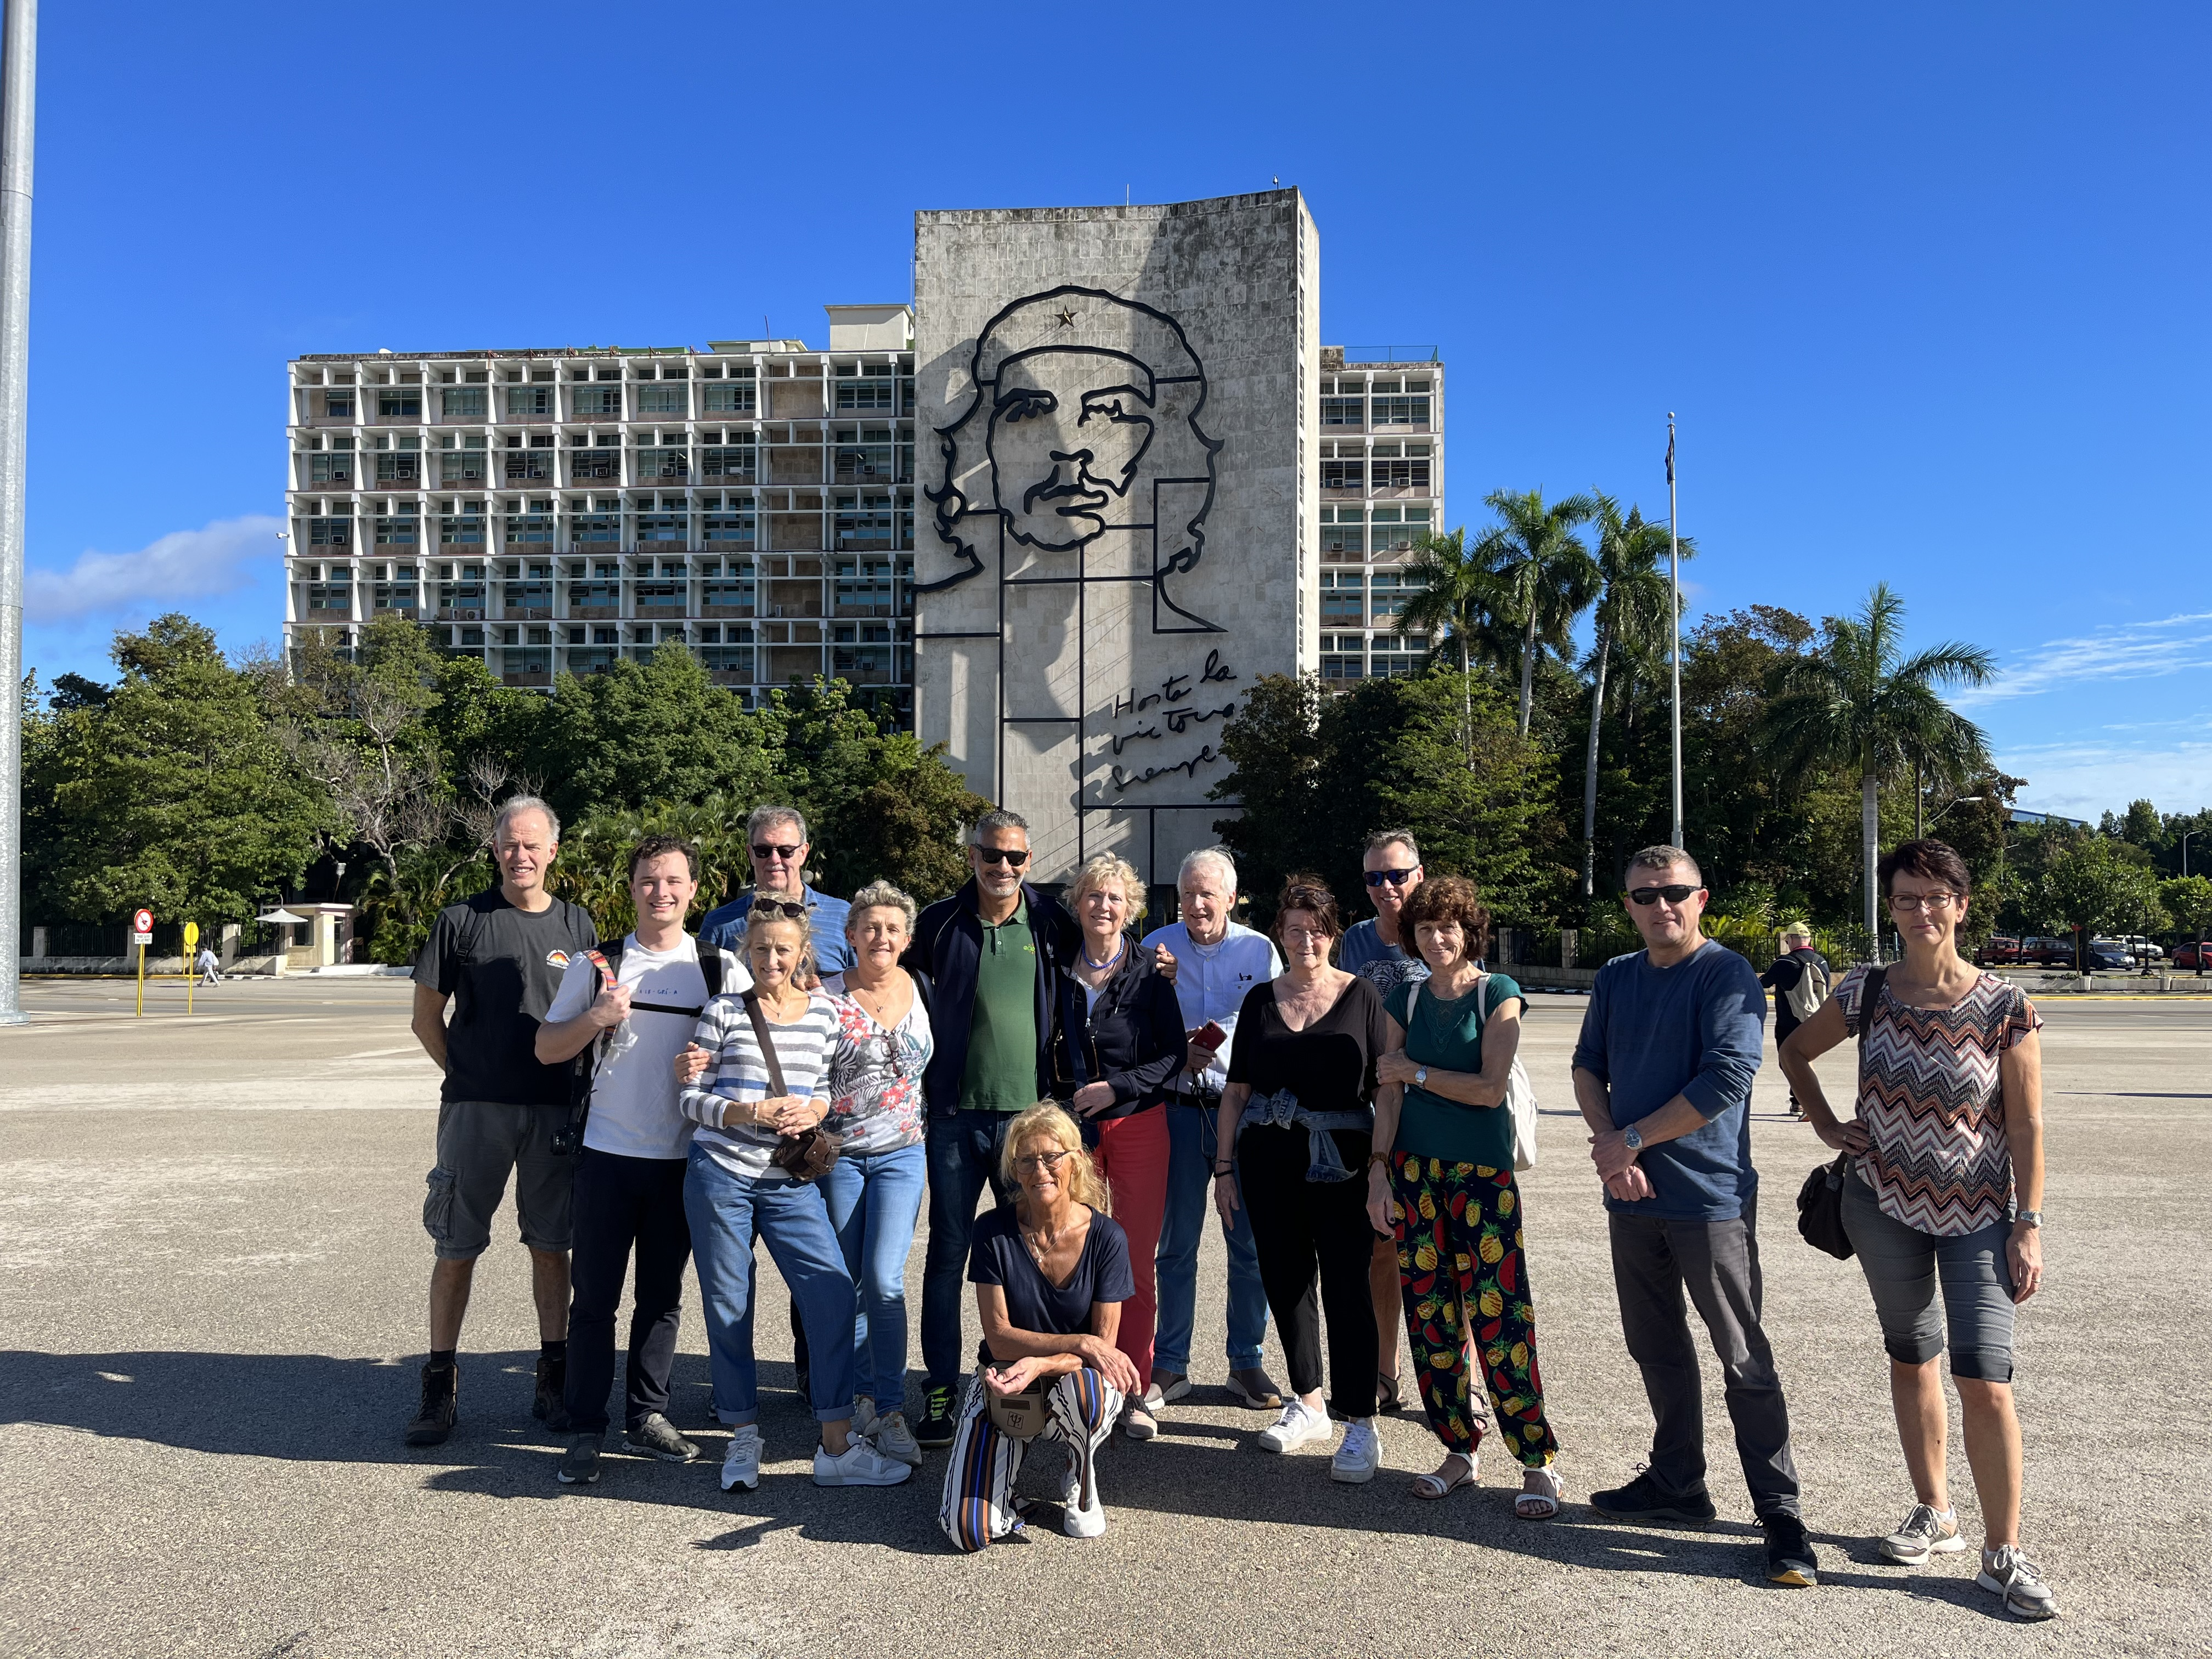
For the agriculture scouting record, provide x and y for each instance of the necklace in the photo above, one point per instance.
(1038, 1250)
(1120, 945)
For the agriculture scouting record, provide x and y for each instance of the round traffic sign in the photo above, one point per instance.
(141, 922)
(191, 934)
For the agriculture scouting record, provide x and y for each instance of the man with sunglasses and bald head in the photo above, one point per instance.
(990, 952)
(776, 836)
(1662, 1073)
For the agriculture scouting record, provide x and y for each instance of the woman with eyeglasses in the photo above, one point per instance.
(1117, 1043)
(874, 1188)
(1946, 1190)
(1051, 1273)
(1299, 1112)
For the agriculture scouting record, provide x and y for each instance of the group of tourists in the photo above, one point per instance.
(805, 1071)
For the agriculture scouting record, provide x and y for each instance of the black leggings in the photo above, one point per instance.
(621, 1201)
(1306, 1229)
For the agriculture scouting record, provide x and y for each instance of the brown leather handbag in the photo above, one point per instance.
(807, 1155)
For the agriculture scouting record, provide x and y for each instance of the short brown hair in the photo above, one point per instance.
(1661, 857)
(1930, 860)
(1306, 891)
(1449, 899)
(653, 846)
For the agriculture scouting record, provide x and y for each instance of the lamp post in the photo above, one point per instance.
(1961, 801)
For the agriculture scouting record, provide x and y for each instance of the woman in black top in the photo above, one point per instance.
(1117, 1042)
(1302, 1072)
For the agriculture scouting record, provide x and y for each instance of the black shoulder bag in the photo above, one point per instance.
(1820, 1199)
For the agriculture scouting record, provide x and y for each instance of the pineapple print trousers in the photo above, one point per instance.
(1466, 1290)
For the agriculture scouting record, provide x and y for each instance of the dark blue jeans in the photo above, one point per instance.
(964, 1156)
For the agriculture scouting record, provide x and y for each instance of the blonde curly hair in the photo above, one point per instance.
(1047, 1121)
(1110, 866)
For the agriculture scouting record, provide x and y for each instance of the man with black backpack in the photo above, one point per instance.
(620, 1017)
(1799, 979)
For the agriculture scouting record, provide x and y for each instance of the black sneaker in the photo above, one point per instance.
(656, 1437)
(1790, 1557)
(1641, 1499)
(434, 1418)
(547, 1405)
(937, 1426)
(580, 1464)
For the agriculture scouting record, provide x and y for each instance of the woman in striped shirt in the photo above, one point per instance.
(733, 1193)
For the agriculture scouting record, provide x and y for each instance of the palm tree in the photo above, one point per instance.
(1856, 699)
(1454, 602)
(1546, 575)
(1633, 609)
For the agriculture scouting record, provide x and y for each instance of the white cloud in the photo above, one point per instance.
(2127, 651)
(184, 564)
(2089, 778)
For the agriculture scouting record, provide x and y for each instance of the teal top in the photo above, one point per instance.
(1448, 1037)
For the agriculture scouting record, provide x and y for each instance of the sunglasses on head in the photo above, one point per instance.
(1674, 893)
(1395, 878)
(1013, 855)
(768, 850)
(787, 908)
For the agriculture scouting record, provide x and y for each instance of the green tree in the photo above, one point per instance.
(1856, 699)
(2093, 888)
(1634, 607)
(641, 733)
(1546, 577)
(2187, 901)
(1456, 604)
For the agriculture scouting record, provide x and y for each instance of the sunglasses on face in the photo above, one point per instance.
(1395, 878)
(1674, 893)
(786, 908)
(765, 850)
(1013, 855)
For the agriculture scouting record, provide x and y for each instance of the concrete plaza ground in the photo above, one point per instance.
(213, 1306)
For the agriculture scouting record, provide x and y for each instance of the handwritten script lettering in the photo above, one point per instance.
(1176, 715)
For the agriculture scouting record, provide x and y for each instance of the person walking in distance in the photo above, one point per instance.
(991, 952)
(627, 1012)
(210, 969)
(498, 959)
(1799, 979)
(1662, 1073)
(1214, 962)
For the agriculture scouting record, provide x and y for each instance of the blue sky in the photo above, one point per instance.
(1927, 285)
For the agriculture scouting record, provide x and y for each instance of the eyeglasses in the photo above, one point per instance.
(1013, 855)
(1395, 878)
(1910, 901)
(1674, 893)
(1031, 1161)
(765, 850)
(789, 908)
(1290, 934)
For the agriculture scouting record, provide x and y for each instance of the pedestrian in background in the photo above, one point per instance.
(1799, 979)
(1946, 1190)
(210, 969)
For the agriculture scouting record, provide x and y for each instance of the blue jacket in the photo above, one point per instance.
(725, 926)
(948, 945)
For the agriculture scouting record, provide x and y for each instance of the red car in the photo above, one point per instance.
(2184, 955)
(1998, 952)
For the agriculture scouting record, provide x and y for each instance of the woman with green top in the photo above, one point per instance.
(1441, 1177)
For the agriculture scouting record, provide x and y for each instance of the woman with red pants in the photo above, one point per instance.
(1117, 1043)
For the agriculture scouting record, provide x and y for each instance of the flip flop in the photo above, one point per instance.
(1432, 1487)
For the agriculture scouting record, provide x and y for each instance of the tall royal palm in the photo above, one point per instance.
(1453, 600)
(1857, 700)
(1630, 616)
(1544, 574)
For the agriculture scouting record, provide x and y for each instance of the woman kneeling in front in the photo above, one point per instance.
(1050, 1275)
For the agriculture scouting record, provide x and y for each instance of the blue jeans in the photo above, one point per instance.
(874, 1200)
(728, 1212)
(1191, 1141)
(963, 1155)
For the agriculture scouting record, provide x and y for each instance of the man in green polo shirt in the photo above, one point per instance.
(1001, 1074)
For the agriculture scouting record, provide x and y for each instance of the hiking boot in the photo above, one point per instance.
(546, 1405)
(656, 1437)
(434, 1418)
(1641, 1499)
(580, 1464)
(1790, 1557)
(1925, 1533)
(938, 1424)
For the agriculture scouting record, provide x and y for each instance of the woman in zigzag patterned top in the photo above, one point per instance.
(1946, 1185)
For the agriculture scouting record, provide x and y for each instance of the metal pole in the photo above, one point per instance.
(19, 57)
(1674, 611)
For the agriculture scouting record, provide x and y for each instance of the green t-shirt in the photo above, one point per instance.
(1001, 1075)
(1448, 1037)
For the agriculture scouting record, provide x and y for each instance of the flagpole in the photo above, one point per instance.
(1674, 613)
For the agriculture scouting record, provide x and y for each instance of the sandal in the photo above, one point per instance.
(1532, 1504)
(1434, 1486)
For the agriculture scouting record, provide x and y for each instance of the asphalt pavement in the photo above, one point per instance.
(213, 1304)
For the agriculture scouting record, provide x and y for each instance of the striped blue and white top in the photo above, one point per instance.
(739, 1072)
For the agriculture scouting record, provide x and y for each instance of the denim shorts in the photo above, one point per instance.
(1904, 1267)
(480, 1143)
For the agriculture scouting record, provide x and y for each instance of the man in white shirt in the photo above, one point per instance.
(633, 1014)
(1213, 961)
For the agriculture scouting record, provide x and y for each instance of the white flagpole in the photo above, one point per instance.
(1675, 597)
(19, 40)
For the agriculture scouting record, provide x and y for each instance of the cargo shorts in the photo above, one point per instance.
(480, 1143)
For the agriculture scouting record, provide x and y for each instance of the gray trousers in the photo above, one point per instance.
(1654, 1261)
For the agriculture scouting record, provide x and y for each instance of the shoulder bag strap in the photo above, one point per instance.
(1869, 999)
(767, 1043)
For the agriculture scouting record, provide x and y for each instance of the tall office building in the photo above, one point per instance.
(1382, 488)
(558, 510)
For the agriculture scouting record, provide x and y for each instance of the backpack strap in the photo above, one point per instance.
(713, 966)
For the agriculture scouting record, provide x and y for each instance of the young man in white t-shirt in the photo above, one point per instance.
(630, 1174)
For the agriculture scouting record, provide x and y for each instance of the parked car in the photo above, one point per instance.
(2048, 952)
(2184, 955)
(2109, 956)
(2142, 950)
(1998, 952)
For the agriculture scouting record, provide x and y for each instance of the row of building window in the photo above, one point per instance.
(882, 395)
(1374, 412)
(475, 465)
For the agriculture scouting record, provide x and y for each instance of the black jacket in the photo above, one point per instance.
(1132, 1040)
(948, 944)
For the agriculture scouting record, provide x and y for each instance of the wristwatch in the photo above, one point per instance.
(2033, 1217)
(1421, 1076)
(1632, 1139)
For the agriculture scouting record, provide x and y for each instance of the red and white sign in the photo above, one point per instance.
(142, 926)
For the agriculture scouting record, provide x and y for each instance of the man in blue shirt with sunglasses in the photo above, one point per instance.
(1374, 949)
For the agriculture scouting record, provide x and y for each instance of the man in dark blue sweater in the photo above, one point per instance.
(1662, 1073)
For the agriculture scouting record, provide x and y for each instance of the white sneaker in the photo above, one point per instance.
(862, 1465)
(864, 1417)
(2008, 1573)
(894, 1439)
(742, 1466)
(1298, 1423)
(1079, 1522)
(1356, 1460)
